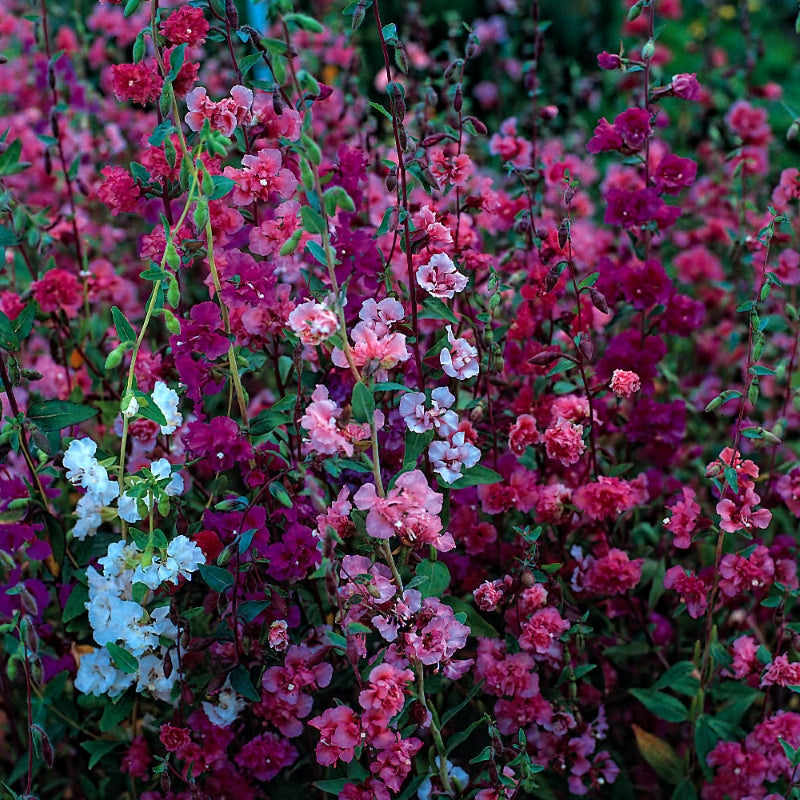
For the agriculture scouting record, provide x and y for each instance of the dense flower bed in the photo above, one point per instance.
(384, 417)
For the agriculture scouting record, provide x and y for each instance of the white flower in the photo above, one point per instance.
(167, 401)
(129, 406)
(98, 675)
(128, 508)
(163, 469)
(83, 469)
(419, 419)
(152, 678)
(185, 555)
(227, 707)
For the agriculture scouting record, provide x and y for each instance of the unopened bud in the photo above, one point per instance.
(551, 279)
(479, 126)
(458, 99)
(569, 196)
(165, 783)
(187, 695)
(402, 137)
(41, 742)
(544, 358)
(471, 50)
(648, 50)
(36, 671)
(391, 181)
(232, 13)
(598, 300)
(563, 234)
(359, 12)
(453, 68)
(548, 113)
(586, 346)
(476, 414)
(277, 100)
(527, 579)
(793, 132)
(398, 101)
(401, 57)
(635, 11)
(28, 600)
(167, 665)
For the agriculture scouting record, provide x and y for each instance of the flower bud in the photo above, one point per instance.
(458, 99)
(551, 279)
(635, 11)
(232, 13)
(471, 50)
(479, 126)
(359, 12)
(401, 57)
(41, 742)
(598, 300)
(794, 131)
(648, 50)
(391, 181)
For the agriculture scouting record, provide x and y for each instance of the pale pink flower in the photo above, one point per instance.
(449, 457)
(321, 420)
(223, 116)
(625, 383)
(523, 432)
(564, 442)
(440, 278)
(339, 735)
(461, 360)
(419, 419)
(313, 322)
(439, 236)
(455, 170)
(782, 673)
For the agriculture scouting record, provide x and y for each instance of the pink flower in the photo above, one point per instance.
(261, 175)
(684, 517)
(393, 763)
(781, 673)
(386, 690)
(313, 322)
(120, 192)
(410, 510)
(613, 574)
(440, 278)
(693, 590)
(58, 290)
(321, 422)
(455, 170)
(739, 574)
(511, 147)
(461, 360)
(739, 515)
(438, 235)
(339, 733)
(223, 116)
(438, 634)
(523, 432)
(625, 383)
(266, 755)
(449, 457)
(542, 632)
(185, 25)
(419, 419)
(674, 174)
(488, 595)
(745, 658)
(686, 86)
(607, 60)
(564, 442)
(139, 83)
(609, 497)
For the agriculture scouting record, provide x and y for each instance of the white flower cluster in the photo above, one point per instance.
(117, 619)
(83, 469)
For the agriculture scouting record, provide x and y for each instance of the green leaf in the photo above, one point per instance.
(123, 660)
(662, 705)
(9, 159)
(432, 579)
(125, 331)
(436, 309)
(381, 110)
(312, 220)
(117, 711)
(334, 786)
(75, 605)
(660, 755)
(55, 415)
(267, 421)
(7, 237)
(100, 748)
(243, 684)
(415, 446)
(222, 186)
(217, 578)
(363, 403)
(680, 678)
(474, 476)
(8, 336)
(304, 22)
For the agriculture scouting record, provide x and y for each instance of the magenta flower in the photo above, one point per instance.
(339, 733)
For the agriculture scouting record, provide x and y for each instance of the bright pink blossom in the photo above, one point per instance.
(339, 733)
(564, 442)
(625, 383)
